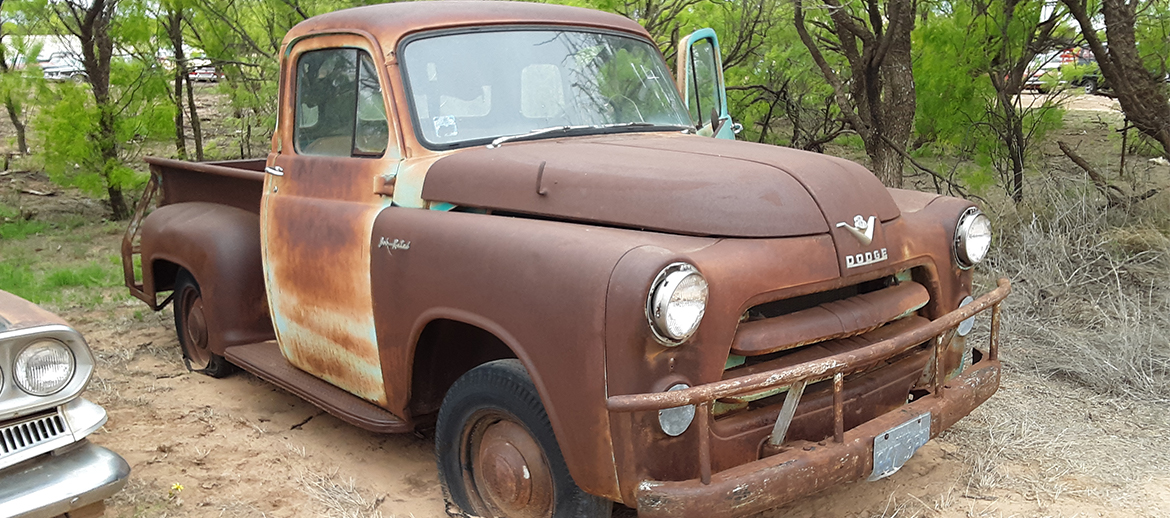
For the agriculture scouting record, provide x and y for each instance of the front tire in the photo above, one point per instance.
(497, 454)
(191, 326)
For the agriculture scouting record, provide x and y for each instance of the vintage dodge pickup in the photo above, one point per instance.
(47, 467)
(507, 221)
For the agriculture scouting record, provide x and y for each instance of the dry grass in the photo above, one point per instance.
(1083, 407)
(1091, 298)
(340, 498)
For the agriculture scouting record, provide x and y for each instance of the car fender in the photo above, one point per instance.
(220, 246)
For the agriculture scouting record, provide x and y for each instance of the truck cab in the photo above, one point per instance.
(507, 222)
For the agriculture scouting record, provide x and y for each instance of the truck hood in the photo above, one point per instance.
(665, 182)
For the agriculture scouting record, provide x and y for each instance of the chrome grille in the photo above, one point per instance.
(29, 433)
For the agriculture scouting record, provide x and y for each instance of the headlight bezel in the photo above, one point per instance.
(662, 290)
(14, 401)
(960, 250)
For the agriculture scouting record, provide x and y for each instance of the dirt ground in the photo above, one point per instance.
(239, 447)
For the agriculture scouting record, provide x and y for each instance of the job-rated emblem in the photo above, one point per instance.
(861, 228)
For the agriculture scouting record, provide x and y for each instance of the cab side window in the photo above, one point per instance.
(339, 110)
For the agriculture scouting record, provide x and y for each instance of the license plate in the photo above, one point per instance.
(892, 449)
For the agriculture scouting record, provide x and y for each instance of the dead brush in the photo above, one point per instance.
(341, 498)
(1091, 294)
(1087, 361)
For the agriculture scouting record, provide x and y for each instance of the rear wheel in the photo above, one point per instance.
(497, 454)
(1091, 86)
(191, 326)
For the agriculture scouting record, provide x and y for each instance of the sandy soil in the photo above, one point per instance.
(241, 447)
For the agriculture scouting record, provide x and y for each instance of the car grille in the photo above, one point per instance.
(807, 328)
(21, 436)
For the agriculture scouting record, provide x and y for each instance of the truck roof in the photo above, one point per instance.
(390, 22)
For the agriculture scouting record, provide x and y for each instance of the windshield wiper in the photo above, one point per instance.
(567, 129)
(536, 133)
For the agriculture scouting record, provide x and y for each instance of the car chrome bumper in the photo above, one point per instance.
(811, 467)
(61, 481)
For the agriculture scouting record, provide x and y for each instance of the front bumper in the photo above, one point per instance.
(58, 482)
(804, 468)
(811, 467)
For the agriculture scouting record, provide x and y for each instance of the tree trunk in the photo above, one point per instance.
(174, 27)
(15, 116)
(877, 99)
(97, 48)
(196, 124)
(13, 107)
(886, 163)
(1141, 94)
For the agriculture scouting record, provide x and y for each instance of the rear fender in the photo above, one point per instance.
(220, 246)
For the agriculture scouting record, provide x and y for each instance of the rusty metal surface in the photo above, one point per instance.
(549, 312)
(388, 23)
(17, 313)
(810, 467)
(183, 182)
(514, 478)
(265, 360)
(315, 233)
(219, 245)
(835, 319)
(843, 363)
(654, 186)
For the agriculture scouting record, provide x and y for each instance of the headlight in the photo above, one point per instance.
(44, 368)
(972, 238)
(677, 301)
(674, 421)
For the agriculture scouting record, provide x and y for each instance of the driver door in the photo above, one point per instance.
(700, 81)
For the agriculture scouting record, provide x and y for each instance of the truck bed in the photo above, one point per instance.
(237, 183)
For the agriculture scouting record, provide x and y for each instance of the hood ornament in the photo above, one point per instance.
(861, 228)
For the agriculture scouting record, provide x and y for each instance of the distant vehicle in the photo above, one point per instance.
(205, 74)
(47, 466)
(1044, 73)
(64, 67)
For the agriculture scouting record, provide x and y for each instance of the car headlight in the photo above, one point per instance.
(44, 367)
(677, 301)
(972, 238)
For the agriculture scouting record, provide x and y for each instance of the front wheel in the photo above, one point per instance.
(497, 454)
(191, 326)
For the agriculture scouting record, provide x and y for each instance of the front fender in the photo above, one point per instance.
(220, 246)
(538, 286)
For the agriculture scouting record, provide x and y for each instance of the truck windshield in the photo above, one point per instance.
(476, 87)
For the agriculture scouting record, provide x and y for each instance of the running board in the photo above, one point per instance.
(265, 361)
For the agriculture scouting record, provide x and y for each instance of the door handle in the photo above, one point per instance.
(274, 170)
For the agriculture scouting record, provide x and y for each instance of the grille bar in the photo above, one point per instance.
(18, 437)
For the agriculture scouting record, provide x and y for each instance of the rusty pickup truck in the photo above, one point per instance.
(507, 221)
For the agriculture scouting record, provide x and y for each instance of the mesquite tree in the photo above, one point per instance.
(90, 23)
(875, 92)
(1140, 91)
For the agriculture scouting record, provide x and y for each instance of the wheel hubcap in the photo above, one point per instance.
(510, 473)
(195, 329)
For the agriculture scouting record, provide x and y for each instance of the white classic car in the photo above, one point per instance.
(47, 467)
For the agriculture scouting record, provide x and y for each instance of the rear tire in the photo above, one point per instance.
(191, 327)
(497, 454)
(1091, 86)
